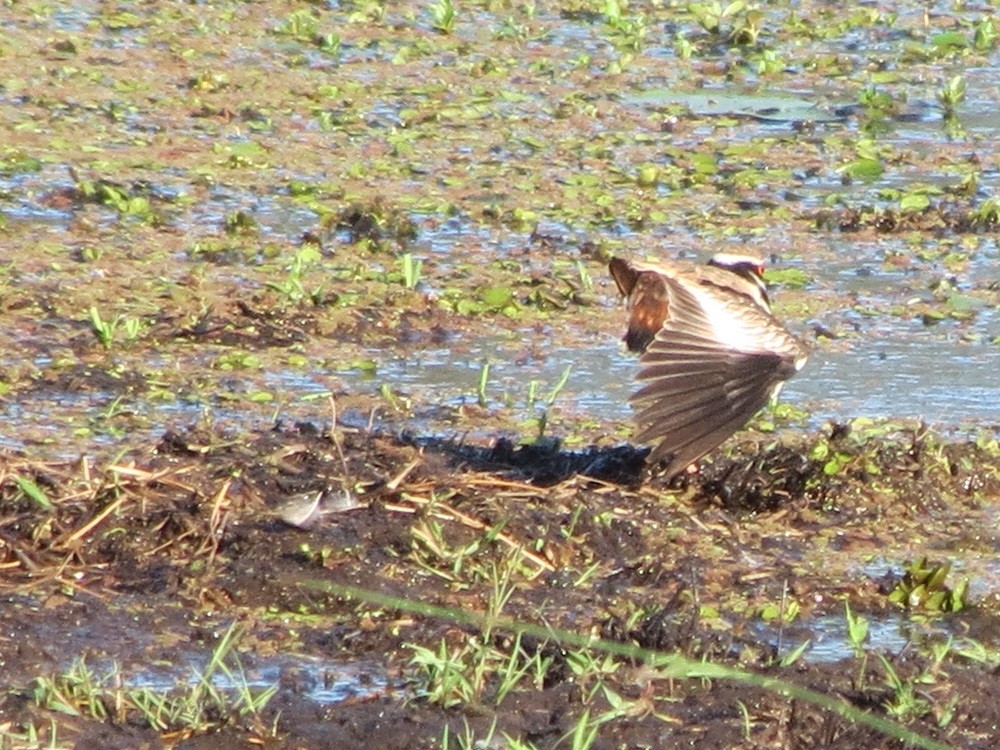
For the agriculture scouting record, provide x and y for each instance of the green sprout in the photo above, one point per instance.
(411, 270)
(443, 15)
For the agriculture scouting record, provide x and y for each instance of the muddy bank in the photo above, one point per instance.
(148, 561)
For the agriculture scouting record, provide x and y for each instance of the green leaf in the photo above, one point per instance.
(793, 278)
(950, 40)
(868, 170)
(793, 656)
(938, 576)
(246, 149)
(497, 297)
(914, 203)
(32, 490)
(704, 164)
(769, 612)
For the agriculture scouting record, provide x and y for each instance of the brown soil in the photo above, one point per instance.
(145, 561)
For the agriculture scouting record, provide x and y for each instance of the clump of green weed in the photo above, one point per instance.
(127, 201)
(107, 331)
(923, 587)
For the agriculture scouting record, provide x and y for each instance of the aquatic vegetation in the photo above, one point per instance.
(293, 285)
(106, 330)
(240, 222)
(443, 16)
(985, 37)
(951, 95)
(411, 270)
(17, 161)
(192, 708)
(118, 197)
(304, 25)
(922, 587)
(743, 17)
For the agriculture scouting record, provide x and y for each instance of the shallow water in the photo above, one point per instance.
(829, 640)
(909, 375)
(903, 374)
(888, 366)
(309, 678)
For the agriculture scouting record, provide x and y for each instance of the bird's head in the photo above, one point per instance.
(747, 267)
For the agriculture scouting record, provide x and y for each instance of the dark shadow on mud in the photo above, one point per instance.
(761, 474)
(761, 478)
(760, 482)
(542, 463)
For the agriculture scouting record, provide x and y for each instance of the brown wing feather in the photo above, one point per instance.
(647, 303)
(689, 413)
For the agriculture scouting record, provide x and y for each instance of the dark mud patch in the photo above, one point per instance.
(146, 560)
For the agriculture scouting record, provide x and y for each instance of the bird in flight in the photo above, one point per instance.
(712, 353)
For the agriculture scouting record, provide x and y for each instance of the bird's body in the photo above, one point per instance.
(712, 352)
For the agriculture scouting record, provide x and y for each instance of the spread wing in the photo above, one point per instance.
(713, 364)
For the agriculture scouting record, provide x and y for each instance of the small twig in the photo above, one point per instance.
(781, 616)
(335, 439)
(94, 522)
(216, 522)
(23, 557)
(493, 482)
(393, 484)
(163, 476)
(169, 542)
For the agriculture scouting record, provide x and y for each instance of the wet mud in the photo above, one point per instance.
(149, 560)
